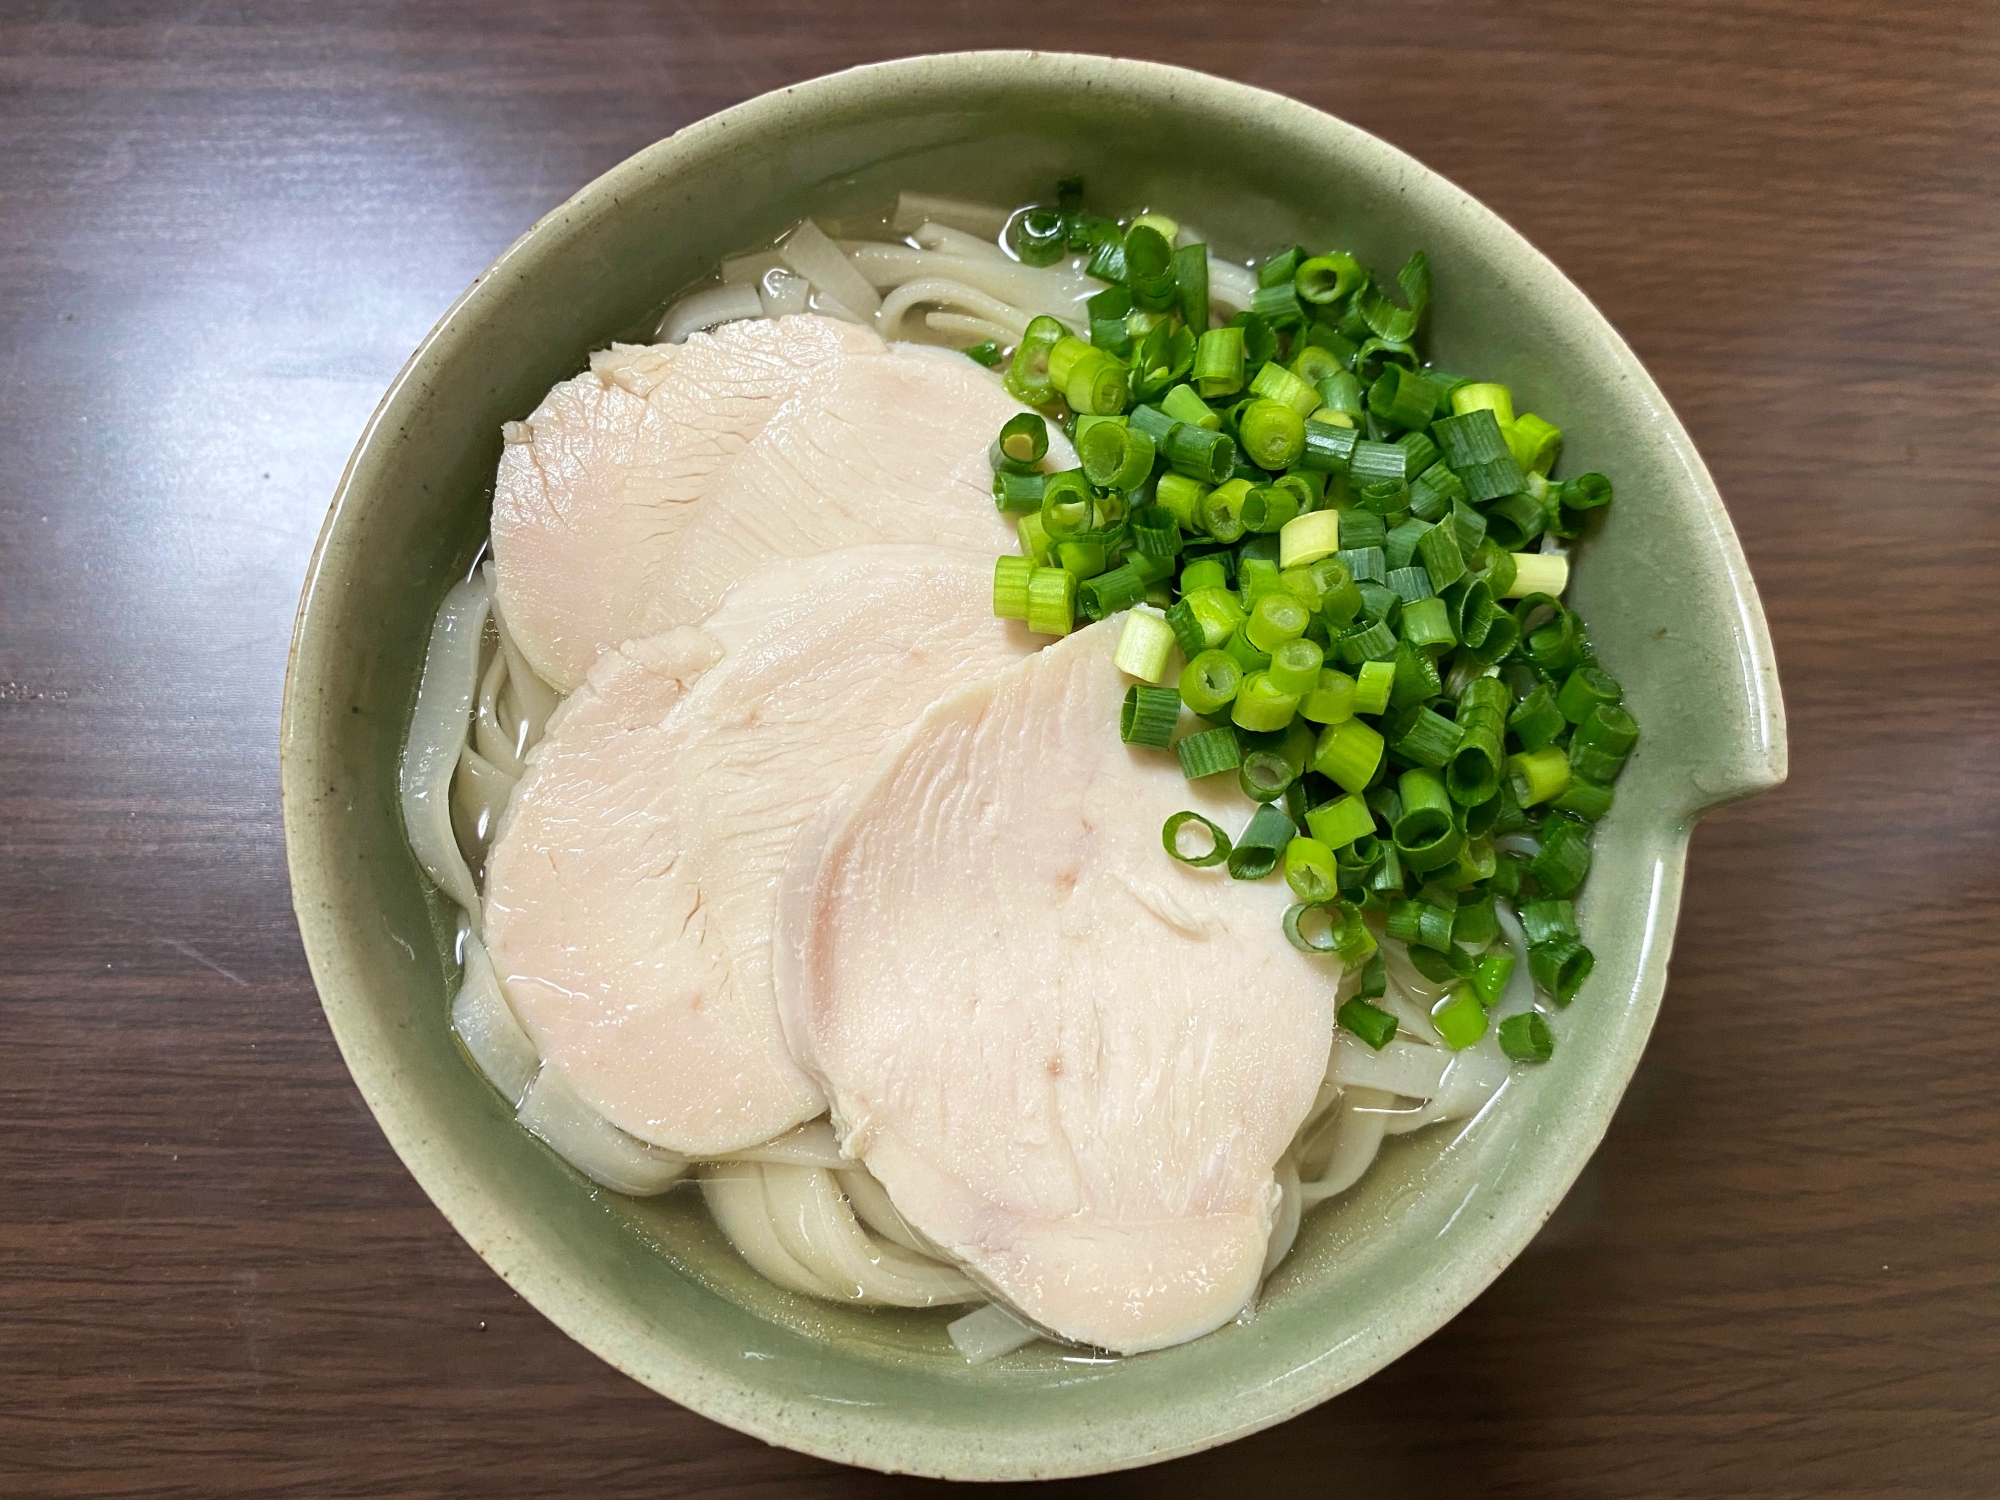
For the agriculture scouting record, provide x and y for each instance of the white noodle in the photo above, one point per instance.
(992, 1331)
(949, 241)
(962, 329)
(953, 296)
(809, 1145)
(743, 269)
(484, 1022)
(1349, 1146)
(980, 219)
(437, 736)
(815, 257)
(735, 1197)
(1285, 1224)
(1230, 286)
(1400, 1067)
(1058, 291)
(706, 308)
(780, 292)
(555, 1111)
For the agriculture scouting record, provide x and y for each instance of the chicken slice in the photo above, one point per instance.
(877, 450)
(595, 488)
(1072, 1062)
(632, 891)
(598, 491)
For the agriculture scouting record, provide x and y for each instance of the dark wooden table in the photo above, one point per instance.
(223, 226)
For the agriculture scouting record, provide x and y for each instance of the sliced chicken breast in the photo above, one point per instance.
(637, 493)
(595, 488)
(1073, 1062)
(632, 892)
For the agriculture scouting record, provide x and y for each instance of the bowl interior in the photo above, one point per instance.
(651, 1285)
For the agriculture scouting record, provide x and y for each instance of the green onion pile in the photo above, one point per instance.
(1334, 533)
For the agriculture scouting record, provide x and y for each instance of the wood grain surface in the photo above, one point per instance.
(222, 228)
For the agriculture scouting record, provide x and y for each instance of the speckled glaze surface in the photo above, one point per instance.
(650, 1286)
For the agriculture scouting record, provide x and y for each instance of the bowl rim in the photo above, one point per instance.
(899, 1443)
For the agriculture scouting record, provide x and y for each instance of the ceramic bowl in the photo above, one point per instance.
(650, 1285)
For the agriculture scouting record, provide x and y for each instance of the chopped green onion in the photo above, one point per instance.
(1306, 539)
(1265, 775)
(1538, 775)
(1269, 507)
(985, 352)
(1034, 536)
(1410, 584)
(1183, 405)
(1273, 435)
(1586, 798)
(1477, 451)
(1010, 586)
(1573, 499)
(1490, 974)
(1116, 457)
(1309, 870)
(1548, 918)
(1565, 855)
(1459, 1018)
(1402, 398)
(1106, 594)
(1099, 384)
(1022, 442)
(1364, 564)
(1514, 521)
(1328, 449)
(1081, 559)
(1473, 774)
(1181, 498)
(1156, 534)
(1051, 601)
(1208, 752)
(1259, 846)
(1429, 740)
(1560, 967)
(1536, 719)
(1218, 362)
(1295, 666)
(1372, 1024)
(1349, 753)
(1204, 573)
(1484, 396)
(1534, 443)
(1276, 618)
(1149, 715)
(1280, 268)
(1584, 689)
(1215, 854)
(1388, 321)
(1537, 573)
(1015, 493)
(1028, 377)
(1261, 705)
(1190, 272)
(1426, 835)
(1374, 641)
(1610, 728)
(1222, 510)
(1438, 548)
(1426, 625)
(1371, 686)
(1143, 645)
(1525, 1038)
(1200, 453)
(1339, 823)
(1274, 382)
(1038, 236)
(1277, 305)
(1210, 681)
(1215, 612)
(1330, 700)
(1327, 279)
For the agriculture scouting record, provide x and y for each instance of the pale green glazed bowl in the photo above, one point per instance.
(651, 1286)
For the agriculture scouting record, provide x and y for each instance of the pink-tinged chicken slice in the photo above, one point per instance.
(631, 896)
(879, 450)
(596, 487)
(1072, 1062)
(638, 493)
